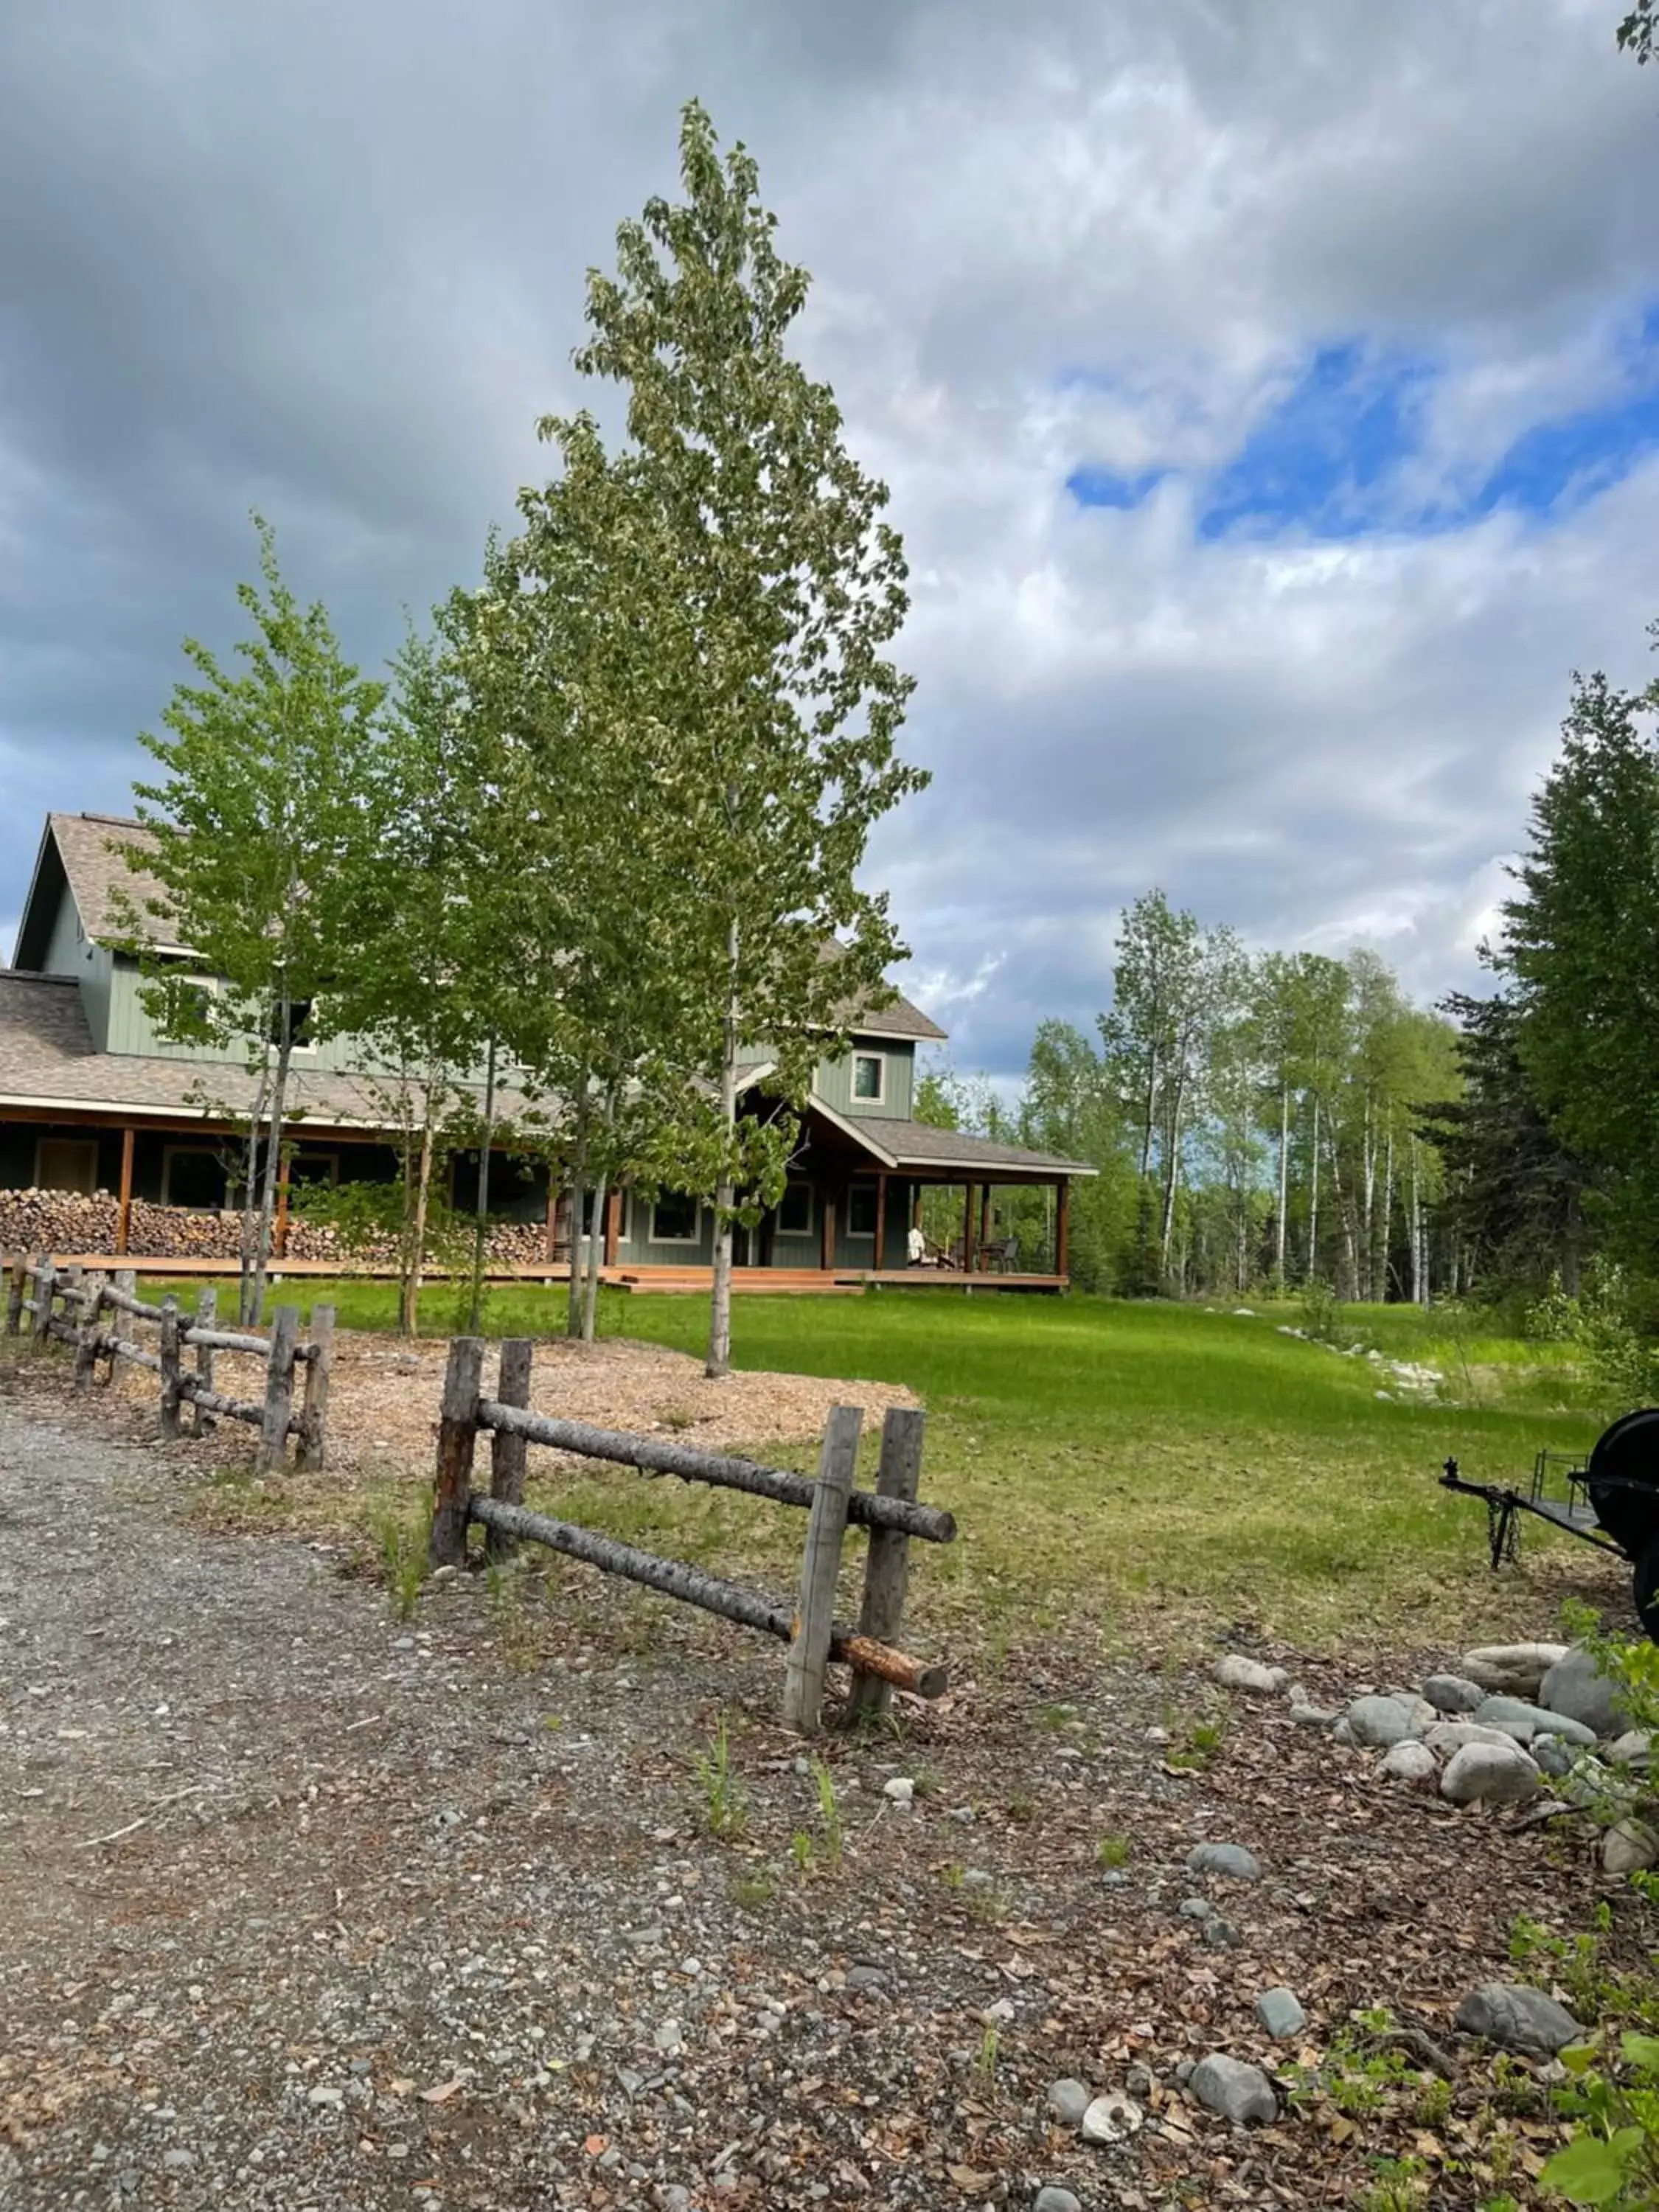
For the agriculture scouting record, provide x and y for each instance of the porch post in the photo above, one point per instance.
(612, 1226)
(984, 1216)
(552, 1216)
(124, 1216)
(1062, 1223)
(827, 1230)
(881, 1221)
(968, 1229)
(279, 1242)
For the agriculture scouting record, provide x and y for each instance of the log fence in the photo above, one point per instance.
(86, 1299)
(891, 1514)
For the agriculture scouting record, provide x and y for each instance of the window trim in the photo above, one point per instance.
(612, 1191)
(696, 1237)
(878, 1095)
(798, 1182)
(214, 1152)
(860, 1235)
(311, 1159)
(87, 1143)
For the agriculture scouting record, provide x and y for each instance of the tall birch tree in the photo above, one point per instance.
(776, 589)
(260, 830)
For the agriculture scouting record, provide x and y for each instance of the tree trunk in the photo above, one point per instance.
(248, 1241)
(1284, 1179)
(1387, 1213)
(409, 1318)
(1171, 1175)
(573, 1307)
(595, 1258)
(1313, 1197)
(481, 1211)
(253, 1290)
(719, 1303)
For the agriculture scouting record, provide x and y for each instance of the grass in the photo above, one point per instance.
(1120, 1462)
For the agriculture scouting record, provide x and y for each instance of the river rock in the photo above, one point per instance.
(1377, 1721)
(1239, 1673)
(1452, 1694)
(1112, 2119)
(1238, 2092)
(1554, 1754)
(1409, 1761)
(1518, 1668)
(1538, 1720)
(1629, 1847)
(1280, 2013)
(1519, 2018)
(1052, 2198)
(1068, 2100)
(1633, 1748)
(1230, 1859)
(1448, 1737)
(1495, 1774)
(1314, 1715)
(1576, 1687)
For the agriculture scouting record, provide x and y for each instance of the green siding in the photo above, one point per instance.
(834, 1084)
(96, 974)
(65, 946)
(132, 1030)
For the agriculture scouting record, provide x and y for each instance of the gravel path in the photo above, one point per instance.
(308, 1907)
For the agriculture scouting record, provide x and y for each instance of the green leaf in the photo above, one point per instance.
(1589, 2170)
(1640, 2050)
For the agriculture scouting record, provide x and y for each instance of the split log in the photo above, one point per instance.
(251, 1410)
(815, 1614)
(318, 1357)
(887, 1568)
(171, 1370)
(691, 1586)
(864, 1508)
(14, 1293)
(457, 1439)
(207, 1312)
(89, 1337)
(209, 1339)
(279, 1390)
(507, 1449)
(44, 1290)
(124, 1300)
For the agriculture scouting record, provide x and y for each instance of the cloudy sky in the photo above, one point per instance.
(1269, 390)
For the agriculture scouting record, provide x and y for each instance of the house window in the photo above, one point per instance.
(795, 1210)
(589, 1198)
(193, 999)
(313, 1168)
(301, 1035)
(194, 1176)
(66, 1163)
(675, 1218)
(861, 1210)
(869, 1077)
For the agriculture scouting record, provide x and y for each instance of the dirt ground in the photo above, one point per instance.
(310, 1906)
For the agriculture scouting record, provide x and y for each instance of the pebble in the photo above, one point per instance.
(866, 1978)
(1280, 2013)
(324, 2096)
(178, 2161)
(1068, 2100)
(668, 2036)
(1197, 1908)
(1237, 2090)
(1221, 1934)
(1314, 1715)
(1111, 2119)
(1230, 1859)
(1052, 2198)
(1240, 1674)
(900, 1788)
(1629, 1847)
(1519, 2018)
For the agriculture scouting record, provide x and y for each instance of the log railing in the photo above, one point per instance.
(85, 1298)
(891, 1513)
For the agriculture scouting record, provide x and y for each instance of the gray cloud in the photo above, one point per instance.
(330, 261)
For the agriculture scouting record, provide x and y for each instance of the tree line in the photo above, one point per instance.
(594, 838)
(1255, 1121)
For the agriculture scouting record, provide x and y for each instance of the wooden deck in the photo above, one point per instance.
(683, 1282)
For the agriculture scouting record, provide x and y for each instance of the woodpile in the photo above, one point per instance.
(72, 1221)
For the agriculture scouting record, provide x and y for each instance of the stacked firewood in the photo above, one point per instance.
(71, 1221)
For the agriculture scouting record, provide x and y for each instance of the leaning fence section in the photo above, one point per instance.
(891, 1515)
(72, 1306)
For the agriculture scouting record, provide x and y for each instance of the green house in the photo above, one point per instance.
(93, 1101)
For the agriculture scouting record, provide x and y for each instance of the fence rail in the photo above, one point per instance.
(85, 1299)
(891, 1513)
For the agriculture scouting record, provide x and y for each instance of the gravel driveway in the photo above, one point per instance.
(304, 1906)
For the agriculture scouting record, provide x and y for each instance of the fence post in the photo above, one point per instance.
(69, 1290)
(207, 1312)
(20, 1276)
(887, 1565)
(313, 1412)
(809, 1650)
(508, 1453)
(171, 1368)
(46, 1289)
(279, 1390)
(126, 1282)
(85, 1342)
(458, 1438)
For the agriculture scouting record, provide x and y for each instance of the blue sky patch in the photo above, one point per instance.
(1322, 461)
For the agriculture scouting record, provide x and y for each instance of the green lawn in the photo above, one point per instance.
(1122, 1463)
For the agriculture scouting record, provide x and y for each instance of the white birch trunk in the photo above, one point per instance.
(574, 1313)
(1284, 1179)
(719, 1302)
(253, 1289)
(1313, 1197)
